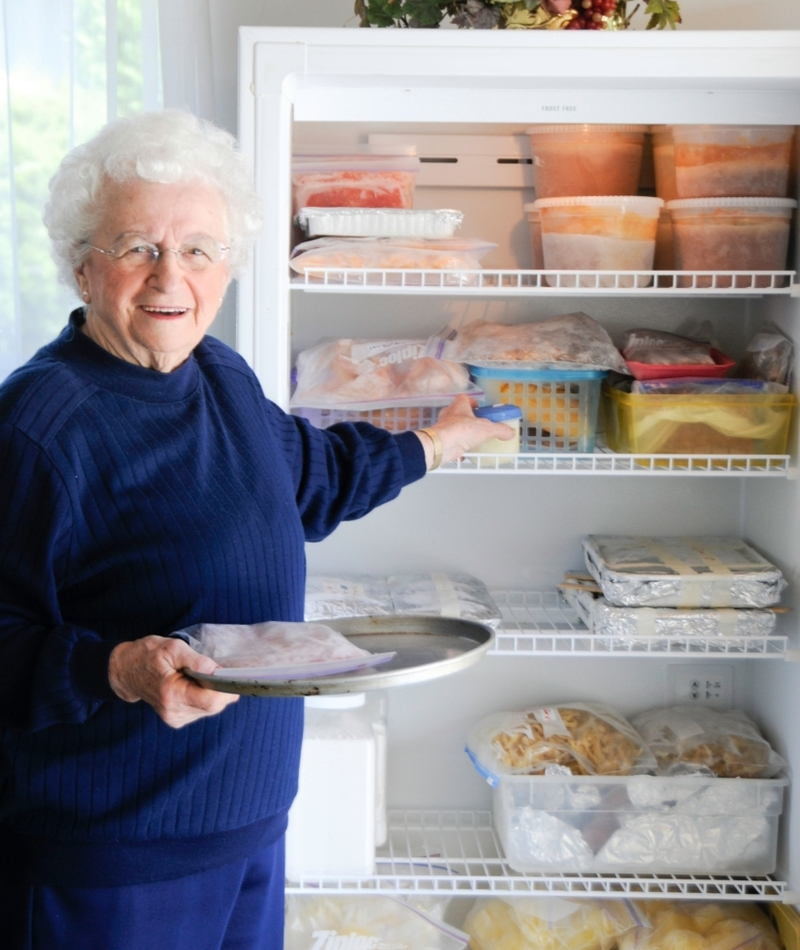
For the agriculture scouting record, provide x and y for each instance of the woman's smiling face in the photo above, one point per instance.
(156, 313)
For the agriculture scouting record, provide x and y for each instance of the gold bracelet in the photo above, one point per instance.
(438, 448)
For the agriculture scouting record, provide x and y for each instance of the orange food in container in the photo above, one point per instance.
(723, 234)
(719, 161)
(353, 181)
(586, 159)
(600, 233)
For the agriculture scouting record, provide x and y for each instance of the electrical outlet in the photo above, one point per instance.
(701, 683)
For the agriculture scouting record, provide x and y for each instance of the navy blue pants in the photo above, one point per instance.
(235, 907)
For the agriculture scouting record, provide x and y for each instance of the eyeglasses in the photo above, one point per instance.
(132, 252)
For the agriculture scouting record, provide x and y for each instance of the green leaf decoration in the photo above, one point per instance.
(663, 13)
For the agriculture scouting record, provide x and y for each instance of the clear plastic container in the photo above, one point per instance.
(717, 161)
(353, 181)
(535, 225)
(638, 823)
(559, 407)
(697, 424)
(399, 418)
(509, 415)
(332, 821)
(586, 159)
(664, 162)
(600, 234)
(721, 234)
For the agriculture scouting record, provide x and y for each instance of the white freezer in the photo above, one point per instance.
(470, 95)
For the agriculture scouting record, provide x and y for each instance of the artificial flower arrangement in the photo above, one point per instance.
(516, 15)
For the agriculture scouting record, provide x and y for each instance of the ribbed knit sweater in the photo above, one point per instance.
(134, 502)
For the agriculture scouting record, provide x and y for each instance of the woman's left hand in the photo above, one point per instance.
(461, 431)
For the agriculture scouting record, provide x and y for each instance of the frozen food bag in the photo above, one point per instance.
(330, 597)
(549, 923)
(379, 222)
(572, 738)
(664, 349)
(446, 595)
(769, 356)
(375, 372)
(573, 338)
(681, 572)
(365, 922)
(696, 739)
(681, 385)
(606, 620)
(701, 925)
(389, 254)
(277, 649)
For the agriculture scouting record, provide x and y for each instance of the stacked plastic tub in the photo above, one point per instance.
(587, 211)
(725, 188)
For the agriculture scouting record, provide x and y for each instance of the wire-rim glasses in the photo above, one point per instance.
(132, 252)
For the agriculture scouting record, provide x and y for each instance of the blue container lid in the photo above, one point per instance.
(499, 412)
(523, 374)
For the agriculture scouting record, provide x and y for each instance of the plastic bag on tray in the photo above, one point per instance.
(277, 649)
(446, 595)
(707, 387)
(366, 253)
(575, 738)
(664, 349)
(549, 923)
(355, 372)
(701, 925)
(367, 921)
(696, 739)
(573, 338)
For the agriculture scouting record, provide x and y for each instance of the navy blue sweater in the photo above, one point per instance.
(134, 502)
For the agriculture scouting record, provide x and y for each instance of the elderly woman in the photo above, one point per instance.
(147, 484)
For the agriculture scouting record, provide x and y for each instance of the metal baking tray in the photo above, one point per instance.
(426, 648)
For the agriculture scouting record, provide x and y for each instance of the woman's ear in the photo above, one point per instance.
(83, 283)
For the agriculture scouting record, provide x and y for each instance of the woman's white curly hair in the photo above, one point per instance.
(165, 147)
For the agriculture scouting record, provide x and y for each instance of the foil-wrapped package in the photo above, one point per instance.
(606, 620)
(681, 572)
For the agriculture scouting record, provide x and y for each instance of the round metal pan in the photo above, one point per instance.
(425, 649)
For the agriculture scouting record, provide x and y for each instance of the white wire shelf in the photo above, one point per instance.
(540, 623)
(458, 853)
(524, 282)
(605, 462)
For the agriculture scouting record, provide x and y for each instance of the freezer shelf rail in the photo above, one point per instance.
(458, 853)
(524, 282)
(540, 623)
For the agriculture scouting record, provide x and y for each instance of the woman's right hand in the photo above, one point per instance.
(150, 669)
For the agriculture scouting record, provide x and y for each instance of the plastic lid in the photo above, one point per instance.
(530, 207)
(731, 203)
(642, 202)
(342, 701)
(499, 412)
(585, 127)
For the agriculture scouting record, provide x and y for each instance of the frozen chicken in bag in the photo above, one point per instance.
(701, 925)
(277, 649)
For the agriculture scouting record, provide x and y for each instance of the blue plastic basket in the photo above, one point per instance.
(559, 407)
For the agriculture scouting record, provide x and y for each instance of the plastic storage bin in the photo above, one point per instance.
(559, 407)
(732, 160)
(393, 418)
(719, 234)
(616, 233)
(697, 424)
(586, 159)
(638, 823)
(353, 181)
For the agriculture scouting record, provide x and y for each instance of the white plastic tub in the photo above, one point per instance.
(639, 823)
(586, 159)
(719, 234)
(595, 233)
(718, 161)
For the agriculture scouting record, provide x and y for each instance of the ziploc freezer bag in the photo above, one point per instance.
(606, 620)
(701, 925)
(681, 572)
(572, 738)
(368, 922)
(278, 650)
(549, 923)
